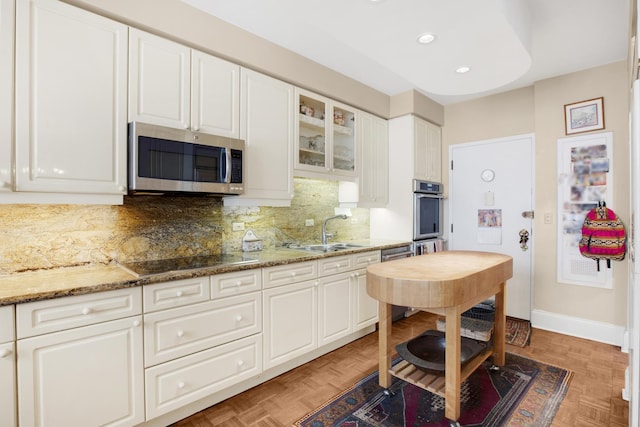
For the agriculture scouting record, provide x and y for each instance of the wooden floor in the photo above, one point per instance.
(594, 396)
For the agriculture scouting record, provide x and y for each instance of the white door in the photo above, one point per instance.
(491, 192)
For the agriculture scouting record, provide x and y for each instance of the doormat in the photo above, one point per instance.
(518, 332)
(523, 393)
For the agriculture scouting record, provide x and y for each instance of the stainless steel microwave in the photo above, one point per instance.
(167, 160)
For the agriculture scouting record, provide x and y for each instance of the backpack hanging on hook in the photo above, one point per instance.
(603, 236)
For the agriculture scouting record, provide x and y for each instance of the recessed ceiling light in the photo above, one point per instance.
(463, 69)
(426, 38)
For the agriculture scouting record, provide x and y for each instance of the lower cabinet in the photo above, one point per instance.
(290, 322)
(87, 376)
(8, 402)
(365, 308)
(174, 384)
(334, 307)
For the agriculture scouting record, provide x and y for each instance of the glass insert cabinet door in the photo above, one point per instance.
(326, 136)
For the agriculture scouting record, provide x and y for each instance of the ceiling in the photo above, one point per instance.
(507, 44)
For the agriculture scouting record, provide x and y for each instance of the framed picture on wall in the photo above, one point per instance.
(584, 116)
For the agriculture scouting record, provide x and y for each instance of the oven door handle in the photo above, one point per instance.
(398, 255)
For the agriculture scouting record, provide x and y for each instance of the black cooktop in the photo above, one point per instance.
(159, 266)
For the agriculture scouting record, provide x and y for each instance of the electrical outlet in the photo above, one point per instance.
(309, 222)
(548, 218)
(238, 226)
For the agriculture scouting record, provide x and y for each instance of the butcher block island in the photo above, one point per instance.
(447, 283)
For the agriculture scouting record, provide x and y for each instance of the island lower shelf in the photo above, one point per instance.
(434, 381)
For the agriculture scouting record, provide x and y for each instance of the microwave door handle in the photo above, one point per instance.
(227, 176)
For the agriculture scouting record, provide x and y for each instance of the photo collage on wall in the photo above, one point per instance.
(588, 181)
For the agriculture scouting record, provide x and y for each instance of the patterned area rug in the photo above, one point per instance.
(523, 393)
(518, 332)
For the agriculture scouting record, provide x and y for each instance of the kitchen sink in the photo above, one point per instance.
(329, 247)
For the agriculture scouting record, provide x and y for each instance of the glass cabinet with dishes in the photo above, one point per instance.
(325, 140)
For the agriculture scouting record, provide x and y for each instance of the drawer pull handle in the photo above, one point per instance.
(86, 311)
(179, 294)
(5, 352)
(238, 317)
(240, 363)
(181, 385)
(180, 334)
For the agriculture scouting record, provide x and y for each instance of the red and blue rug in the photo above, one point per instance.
(522, 393)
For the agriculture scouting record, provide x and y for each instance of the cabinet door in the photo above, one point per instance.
(290, 322)
(215, 95)
(6, 94)
(8, 400)
(71, 91)
(343, 140)
(365, 308)
(427, 149)
(89, 376)
(334, 307)
(373, 141)
(267, 128)
(159, 80)
(312, 136)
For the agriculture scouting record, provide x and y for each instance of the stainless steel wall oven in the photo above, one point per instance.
(427, 210)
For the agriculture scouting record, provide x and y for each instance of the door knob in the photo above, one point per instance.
(524, 238)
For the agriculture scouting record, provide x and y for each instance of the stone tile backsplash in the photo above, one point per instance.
(36, 237)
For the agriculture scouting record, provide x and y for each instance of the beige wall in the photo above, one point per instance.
(539, 109)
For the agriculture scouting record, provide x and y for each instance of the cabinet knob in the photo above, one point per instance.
(238, 317)
(338, 265)
(293, 274)
(136, 323)
(122, 188)
(239, 283)
(181, 385)
(179, 294)
(240, 363)
(180, 334)
(5, 352)
(86, 310)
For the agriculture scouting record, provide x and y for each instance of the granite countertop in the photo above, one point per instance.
(78, 280)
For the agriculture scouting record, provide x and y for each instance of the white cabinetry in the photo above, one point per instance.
(427, 149)
(71, 108)
(325, 138)
(290, 312)
(70, 374)
(199, 348)
(365, 308)
(267, 126)
(373, 140)
(7, 22)
(8, 402)
(175, 86)
(414, 154)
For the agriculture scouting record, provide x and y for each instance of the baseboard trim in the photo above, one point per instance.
(577, 327)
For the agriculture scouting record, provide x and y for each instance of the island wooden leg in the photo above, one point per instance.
(384, 344)
(452, 363)
(500, 327)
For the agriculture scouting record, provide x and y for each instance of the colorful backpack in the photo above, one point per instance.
(603, 236)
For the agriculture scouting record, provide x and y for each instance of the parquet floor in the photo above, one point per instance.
(593, 400)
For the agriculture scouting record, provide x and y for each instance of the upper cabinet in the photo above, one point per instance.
(7, 22)
(70, 100)
(267, 127)
(373, 175)
(325, 138)
(427, 151)
(175, 86)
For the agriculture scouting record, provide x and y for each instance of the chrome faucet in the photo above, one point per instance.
(326, 235)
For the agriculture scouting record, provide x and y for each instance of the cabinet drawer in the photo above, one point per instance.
(7, 324)
(238, 282)
(290, 273)
(333, 265)
(363, 259)
(176, 293)
(175, 333)
(174, 384)
(41, 317)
